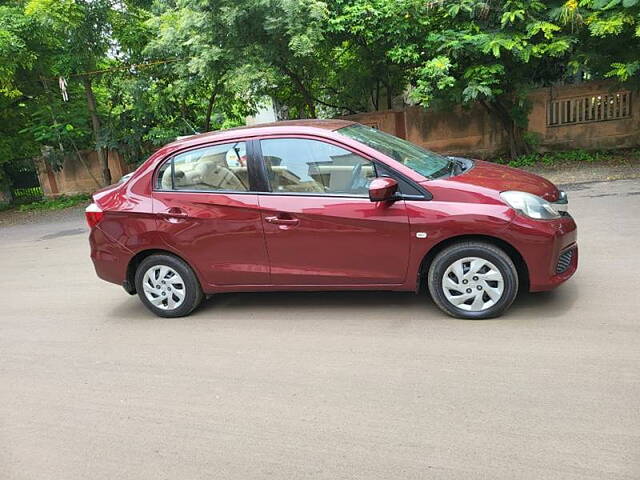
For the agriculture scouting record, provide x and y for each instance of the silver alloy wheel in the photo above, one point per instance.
(163, 287)
(473, 284)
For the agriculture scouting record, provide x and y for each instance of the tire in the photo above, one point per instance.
(488, 284)
(171, 288)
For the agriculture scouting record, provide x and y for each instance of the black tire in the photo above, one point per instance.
(481, 250)
(193, 295)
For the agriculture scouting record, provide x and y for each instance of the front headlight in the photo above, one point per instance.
(530, 205)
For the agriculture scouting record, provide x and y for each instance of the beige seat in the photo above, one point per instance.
(185, 177)
(207, 173)
(181, 179)
(215, 173)
(283, 180)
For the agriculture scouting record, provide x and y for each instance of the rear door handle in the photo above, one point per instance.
(282, 221)
(174, 213)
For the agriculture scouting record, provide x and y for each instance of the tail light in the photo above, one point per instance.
(94, 214)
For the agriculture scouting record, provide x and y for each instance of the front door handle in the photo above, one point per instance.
(282, 221)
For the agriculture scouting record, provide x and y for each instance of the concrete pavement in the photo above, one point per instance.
(321, 385)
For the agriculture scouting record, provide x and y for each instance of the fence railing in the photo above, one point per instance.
(26, 195)
(591, 108)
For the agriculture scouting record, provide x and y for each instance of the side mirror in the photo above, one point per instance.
(382, 189)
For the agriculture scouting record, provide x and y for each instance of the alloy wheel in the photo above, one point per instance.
(472, 284)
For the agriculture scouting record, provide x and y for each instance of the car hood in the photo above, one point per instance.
(501, 178)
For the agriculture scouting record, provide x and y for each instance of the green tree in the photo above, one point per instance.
(80, 36)
(607, 37)
(204, 77)
(476, 51)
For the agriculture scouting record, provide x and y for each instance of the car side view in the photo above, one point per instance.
(328, 205)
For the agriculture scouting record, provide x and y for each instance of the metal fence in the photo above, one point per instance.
(26, 195)
(25, 185)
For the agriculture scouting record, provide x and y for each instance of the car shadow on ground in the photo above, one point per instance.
(551, 304)
(350, 304)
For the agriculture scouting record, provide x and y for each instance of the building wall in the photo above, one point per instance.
(474, 132)
(458, 131)
(74, 178)
(389, 121)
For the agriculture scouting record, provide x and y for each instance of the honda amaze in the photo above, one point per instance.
(328, 205)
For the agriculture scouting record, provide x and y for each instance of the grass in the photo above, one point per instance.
(58, 203)
(571, 157)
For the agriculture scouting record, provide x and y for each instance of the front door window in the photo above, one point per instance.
(296, 165)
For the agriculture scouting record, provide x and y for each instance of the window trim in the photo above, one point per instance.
(426, 195)
(251, 169)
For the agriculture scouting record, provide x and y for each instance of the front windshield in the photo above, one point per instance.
(426, 163)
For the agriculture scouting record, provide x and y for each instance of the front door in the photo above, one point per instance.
(206, 209)
(320, 227)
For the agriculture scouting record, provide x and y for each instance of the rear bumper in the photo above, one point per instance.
(545, 247)
(110, 259)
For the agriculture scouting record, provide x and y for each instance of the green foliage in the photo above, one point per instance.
(58, 203)
(532, 139)
(15, 48)
(160, 69)
(568, 157)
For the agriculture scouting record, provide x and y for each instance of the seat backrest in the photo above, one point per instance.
(209, 172)
(217, 175)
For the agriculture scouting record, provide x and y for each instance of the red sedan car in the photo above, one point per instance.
(328, 205)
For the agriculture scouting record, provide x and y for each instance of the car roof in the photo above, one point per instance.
(285, 126)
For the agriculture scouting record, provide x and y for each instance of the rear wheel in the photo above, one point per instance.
(473, 280)
(167, 286)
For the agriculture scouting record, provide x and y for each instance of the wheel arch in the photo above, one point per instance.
(515, 256)
(129, 282)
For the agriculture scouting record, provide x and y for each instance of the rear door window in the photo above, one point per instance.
(215, 168)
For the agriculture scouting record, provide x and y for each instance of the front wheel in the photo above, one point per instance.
(167, 286)
(473, 280)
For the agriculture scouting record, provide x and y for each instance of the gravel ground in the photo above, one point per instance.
(15, 217)
(570, 173)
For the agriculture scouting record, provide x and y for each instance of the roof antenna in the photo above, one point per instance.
(195, 132)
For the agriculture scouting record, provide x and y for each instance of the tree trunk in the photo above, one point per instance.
(375, 98)
(60, 145)
(306, 94)
(515, 133)
(103, 157)
(215, 90)
(207, 120)
(311, 105)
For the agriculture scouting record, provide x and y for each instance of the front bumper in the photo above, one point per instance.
(545, 247)
(552, 281)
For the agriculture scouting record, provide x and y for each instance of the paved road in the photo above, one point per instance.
(331, 386)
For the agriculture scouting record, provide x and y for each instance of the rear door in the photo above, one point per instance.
(320, 227)
(208, 212)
